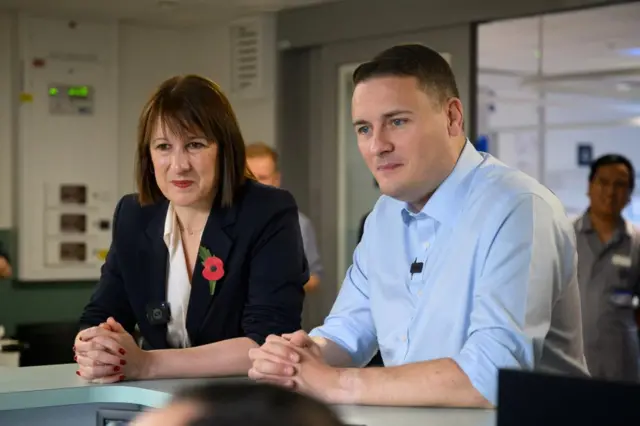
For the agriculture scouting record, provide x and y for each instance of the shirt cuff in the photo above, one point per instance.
(349, 349)
(483, 378)
(484, 355)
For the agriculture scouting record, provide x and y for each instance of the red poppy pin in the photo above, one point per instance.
(213, 268)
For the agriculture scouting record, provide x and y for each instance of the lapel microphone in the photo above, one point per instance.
(415, 268)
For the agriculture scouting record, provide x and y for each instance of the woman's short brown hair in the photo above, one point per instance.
(192, 105)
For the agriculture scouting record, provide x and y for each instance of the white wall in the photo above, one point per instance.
(570, 120)
(147, 56)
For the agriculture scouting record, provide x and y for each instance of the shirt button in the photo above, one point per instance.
(419, 293)
(426, 245)
(403, 338)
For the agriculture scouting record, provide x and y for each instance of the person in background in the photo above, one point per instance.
(5, 264)
(609, 272)
(466, 266)
(263, 163)
(205, 260)
(240, 404)
(364, 218)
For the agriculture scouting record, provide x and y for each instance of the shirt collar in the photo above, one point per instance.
(585, 226)
(171, 229)
(444, 205)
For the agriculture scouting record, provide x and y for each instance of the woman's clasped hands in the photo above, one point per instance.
(108, 353)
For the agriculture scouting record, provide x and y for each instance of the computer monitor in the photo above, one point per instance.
(535, 399)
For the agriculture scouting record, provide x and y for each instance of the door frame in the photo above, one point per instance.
(344, 72)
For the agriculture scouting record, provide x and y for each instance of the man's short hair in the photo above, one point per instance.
(609, 159)
(431, 70)
(261, 149)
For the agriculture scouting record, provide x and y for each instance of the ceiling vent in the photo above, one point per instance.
(247, 58)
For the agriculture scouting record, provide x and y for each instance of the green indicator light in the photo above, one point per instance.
(78, 92)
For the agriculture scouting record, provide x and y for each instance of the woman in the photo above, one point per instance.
(204, 260)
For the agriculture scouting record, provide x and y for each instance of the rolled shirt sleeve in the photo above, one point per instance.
(350, 323)
(529, 259)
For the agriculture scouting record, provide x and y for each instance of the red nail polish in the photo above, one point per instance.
(123, 362)
(74, 349)
(116, 368)
(78, 373)
(122, 377)
(122, 351)
(75, 357)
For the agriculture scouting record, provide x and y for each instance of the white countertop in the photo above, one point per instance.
(47, 386)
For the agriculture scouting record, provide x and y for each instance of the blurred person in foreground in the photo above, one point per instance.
(240, 405)
(466, 266)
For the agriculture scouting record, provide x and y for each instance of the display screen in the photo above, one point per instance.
(70, 91)
(66, 99)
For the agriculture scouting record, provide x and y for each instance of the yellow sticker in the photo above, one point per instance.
(102, 254)
(26, 97)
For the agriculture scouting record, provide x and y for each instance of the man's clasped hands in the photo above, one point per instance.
(108, 353)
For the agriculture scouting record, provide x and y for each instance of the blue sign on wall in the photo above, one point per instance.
(482, 143)
(585, 154)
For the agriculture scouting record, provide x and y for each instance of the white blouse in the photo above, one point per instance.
(178, 284)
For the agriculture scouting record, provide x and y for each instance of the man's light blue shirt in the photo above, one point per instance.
(498, 287)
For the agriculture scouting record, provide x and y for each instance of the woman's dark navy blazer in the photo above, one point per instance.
(259, 242)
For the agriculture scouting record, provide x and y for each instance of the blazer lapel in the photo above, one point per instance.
(153, 263)
(217, 238)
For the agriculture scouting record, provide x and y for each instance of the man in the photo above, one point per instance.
(466, 266)
(5, 266)
(609, 272)
(263, 163)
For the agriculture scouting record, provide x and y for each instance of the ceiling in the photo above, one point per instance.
(593, 52)
(156, 12)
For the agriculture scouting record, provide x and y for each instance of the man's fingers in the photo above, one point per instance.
(280, 349)
(258, 355)
(272, 379)
(273, 368)
(302, 340)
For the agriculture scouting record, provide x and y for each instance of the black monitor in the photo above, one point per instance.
(538, 399)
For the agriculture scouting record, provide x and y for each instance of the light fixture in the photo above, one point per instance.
(623, 87)
(630, 51)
